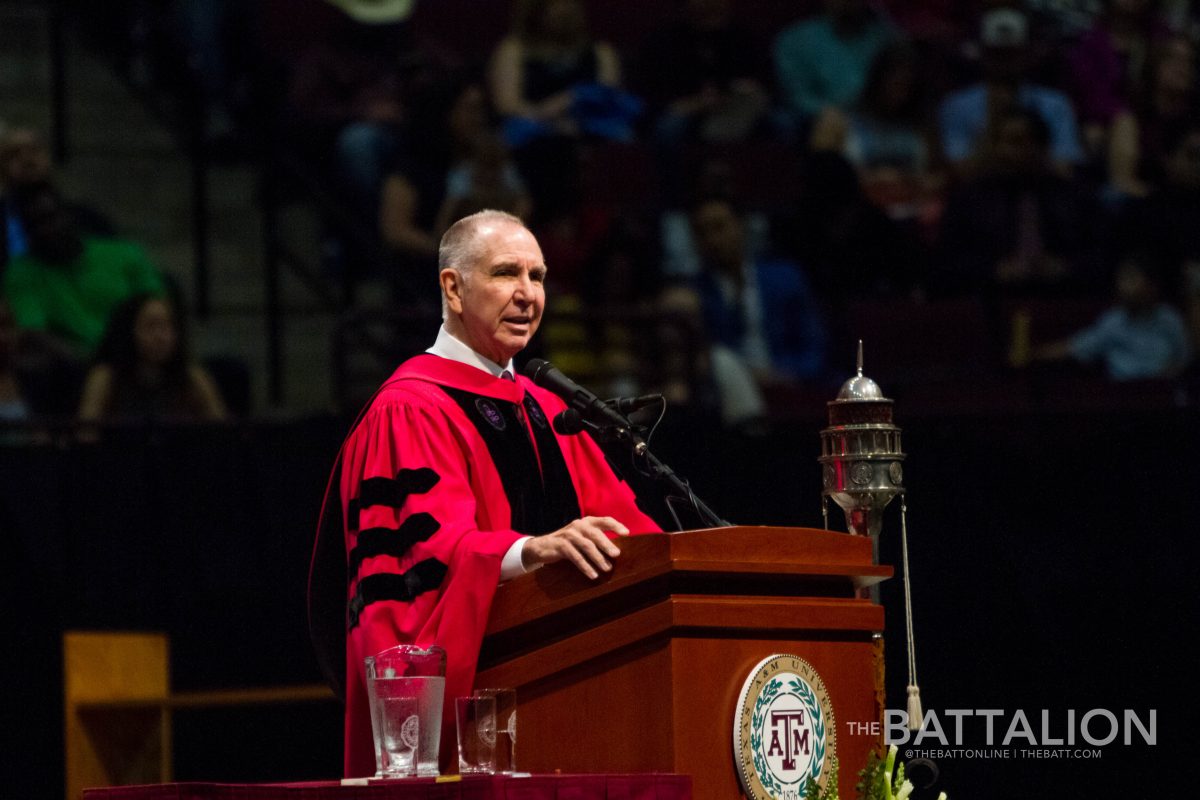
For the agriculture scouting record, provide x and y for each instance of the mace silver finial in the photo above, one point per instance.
(860, 453)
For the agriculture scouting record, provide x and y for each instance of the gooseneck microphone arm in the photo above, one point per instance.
(587, 412)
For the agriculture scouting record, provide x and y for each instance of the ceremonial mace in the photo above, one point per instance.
(861, 471)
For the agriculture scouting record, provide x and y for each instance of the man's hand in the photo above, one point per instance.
(583, 542)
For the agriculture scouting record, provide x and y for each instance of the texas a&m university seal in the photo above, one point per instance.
(783, 730)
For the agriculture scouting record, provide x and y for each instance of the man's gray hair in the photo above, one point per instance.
(460, 245)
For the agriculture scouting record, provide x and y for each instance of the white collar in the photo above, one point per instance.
(447, 346)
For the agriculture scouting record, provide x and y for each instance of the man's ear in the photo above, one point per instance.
(452, 288)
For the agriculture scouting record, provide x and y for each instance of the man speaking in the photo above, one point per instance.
(454, 479)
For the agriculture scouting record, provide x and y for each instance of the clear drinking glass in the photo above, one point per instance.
(476, 718)
(506, 727)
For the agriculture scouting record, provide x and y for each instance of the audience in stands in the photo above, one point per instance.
(24, 162)
(680, 256)
(1107, 65)
(1142, 337)
(887, 136)
(848, 244)
(351, 95)
(704, 77)
(823, 61)
(939, 148)
(1142, 134)
(967, 118)
(67, 284)
(143, 370)
(1018, 223)
(553, 84)
(458, 163)
(761, 315)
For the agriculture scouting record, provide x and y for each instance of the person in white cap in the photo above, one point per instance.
(966, 118)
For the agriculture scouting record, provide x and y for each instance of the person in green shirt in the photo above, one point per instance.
(66, 285)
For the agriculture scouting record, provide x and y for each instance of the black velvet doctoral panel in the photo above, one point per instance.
(542, 499)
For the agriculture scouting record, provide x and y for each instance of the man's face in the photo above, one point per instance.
(496, 304)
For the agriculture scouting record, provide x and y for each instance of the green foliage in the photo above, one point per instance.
(813, 790)
(872, 782)
(875, 781)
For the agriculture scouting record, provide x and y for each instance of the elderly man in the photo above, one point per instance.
(454, 479)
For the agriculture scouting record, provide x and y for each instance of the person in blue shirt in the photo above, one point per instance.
(966, 118)
(823, 61)
(762, 318)
(1140, 338)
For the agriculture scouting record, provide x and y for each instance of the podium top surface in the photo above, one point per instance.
(726, 558)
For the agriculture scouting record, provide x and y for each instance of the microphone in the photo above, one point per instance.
(568, 422)
(627, 405)
(590, 407)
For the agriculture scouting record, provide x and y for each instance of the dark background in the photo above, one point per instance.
(1052, 557)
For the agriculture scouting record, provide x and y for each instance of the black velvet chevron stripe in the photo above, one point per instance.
(390, 492)
(404, 587)
(391, 541)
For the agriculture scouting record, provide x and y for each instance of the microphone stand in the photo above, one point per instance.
(572, 422)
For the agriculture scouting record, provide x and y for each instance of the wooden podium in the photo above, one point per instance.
(640, 670)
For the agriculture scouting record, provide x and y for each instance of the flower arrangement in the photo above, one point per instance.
(881, 779)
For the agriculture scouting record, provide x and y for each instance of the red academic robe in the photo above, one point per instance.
(445, 470)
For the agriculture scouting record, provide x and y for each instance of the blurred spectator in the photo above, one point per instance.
(705, 76)
(1141, 134)
(485, 178)
(1017, 223)
(680, 258)
(553, 83)
(1142, 337)
(1166, 221)
(823, 61)
(25, 162)
(350, 94)
(458, 160)
(887, 135)
(66, 285)
(848, 244)
(14, 407)
(143, 369)
(966, 117)
(1107, 65)
(760, 314)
